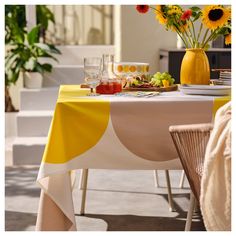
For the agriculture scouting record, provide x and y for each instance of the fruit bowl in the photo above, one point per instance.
(130, 69)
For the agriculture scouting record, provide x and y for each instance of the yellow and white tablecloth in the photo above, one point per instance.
(110, 132)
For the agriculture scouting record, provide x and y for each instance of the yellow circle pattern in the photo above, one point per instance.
(76, 127)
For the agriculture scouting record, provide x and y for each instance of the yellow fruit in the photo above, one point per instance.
(120, 68)
(132, 68)
(126, 68)
(165, 83)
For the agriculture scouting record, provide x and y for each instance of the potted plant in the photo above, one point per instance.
(15, 35)
(24, 56)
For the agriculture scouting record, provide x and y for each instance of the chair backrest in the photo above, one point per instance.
(190, 142)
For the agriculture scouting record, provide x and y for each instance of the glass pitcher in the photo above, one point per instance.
(110, 84)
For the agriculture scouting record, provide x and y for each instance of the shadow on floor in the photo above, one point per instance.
(145, 223)
(21, 181)
(177, 207)
(19, 221)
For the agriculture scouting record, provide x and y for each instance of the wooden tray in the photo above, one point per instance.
(173, 87)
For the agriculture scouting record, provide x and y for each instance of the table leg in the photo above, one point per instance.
(156, 180)
(80, 180)
(170, 199)
(84, 176)
(181, 183)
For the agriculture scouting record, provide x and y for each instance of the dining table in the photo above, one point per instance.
(121, 131)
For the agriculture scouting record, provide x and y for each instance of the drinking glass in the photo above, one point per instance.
(92, 71)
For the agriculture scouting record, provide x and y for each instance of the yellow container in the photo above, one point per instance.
(195, 67)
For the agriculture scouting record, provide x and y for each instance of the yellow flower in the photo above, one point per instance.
(215, 16)
(174, 10)
(228, 39)
(160, 15)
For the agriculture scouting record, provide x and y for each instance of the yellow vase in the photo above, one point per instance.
(195, 67)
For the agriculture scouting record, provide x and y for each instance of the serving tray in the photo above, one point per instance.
(173, 87)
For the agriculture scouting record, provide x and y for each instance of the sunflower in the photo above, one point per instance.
(228, 39)
(215, 16)
(174, 10)
(160, 14)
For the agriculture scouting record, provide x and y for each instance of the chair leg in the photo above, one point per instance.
(84, 177)
(181, 183)
(170, 199)
(156, 180)
(190, 212)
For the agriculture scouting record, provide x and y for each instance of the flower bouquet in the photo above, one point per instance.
(215, 20)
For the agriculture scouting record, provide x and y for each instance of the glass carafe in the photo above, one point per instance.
(109, 83)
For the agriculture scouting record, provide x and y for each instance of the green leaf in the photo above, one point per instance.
(45, 54)
(196, 17)
(44, 15)
(195, 9)
(30, 65)
(48, 47)
(33, 35)
(39, 68)
(10, 58)
(46, 50)
(47, 67)
(14, 77)
(42, 46)
(14, 23)
(54, 49)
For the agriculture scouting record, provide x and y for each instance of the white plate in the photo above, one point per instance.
(218, 90)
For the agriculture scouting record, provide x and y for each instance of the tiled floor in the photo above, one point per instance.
(116, 201)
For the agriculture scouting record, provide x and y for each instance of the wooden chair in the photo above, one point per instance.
(190, 142)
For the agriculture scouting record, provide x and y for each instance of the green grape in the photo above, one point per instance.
(157, 78)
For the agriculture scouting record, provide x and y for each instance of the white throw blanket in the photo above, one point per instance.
(215, 197)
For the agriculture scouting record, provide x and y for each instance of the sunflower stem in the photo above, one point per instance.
(188, 37)
(181, 36)
(186, 44)
(199, 33)
(206, 32)
(194, 34)
(210, 38)
(191, 36)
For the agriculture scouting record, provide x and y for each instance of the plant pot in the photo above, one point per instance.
(33, 80)
(195, 67)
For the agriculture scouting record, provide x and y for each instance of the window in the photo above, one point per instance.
(81, 25)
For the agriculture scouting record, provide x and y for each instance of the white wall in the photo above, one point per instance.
(141, 36)
(14, 91)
